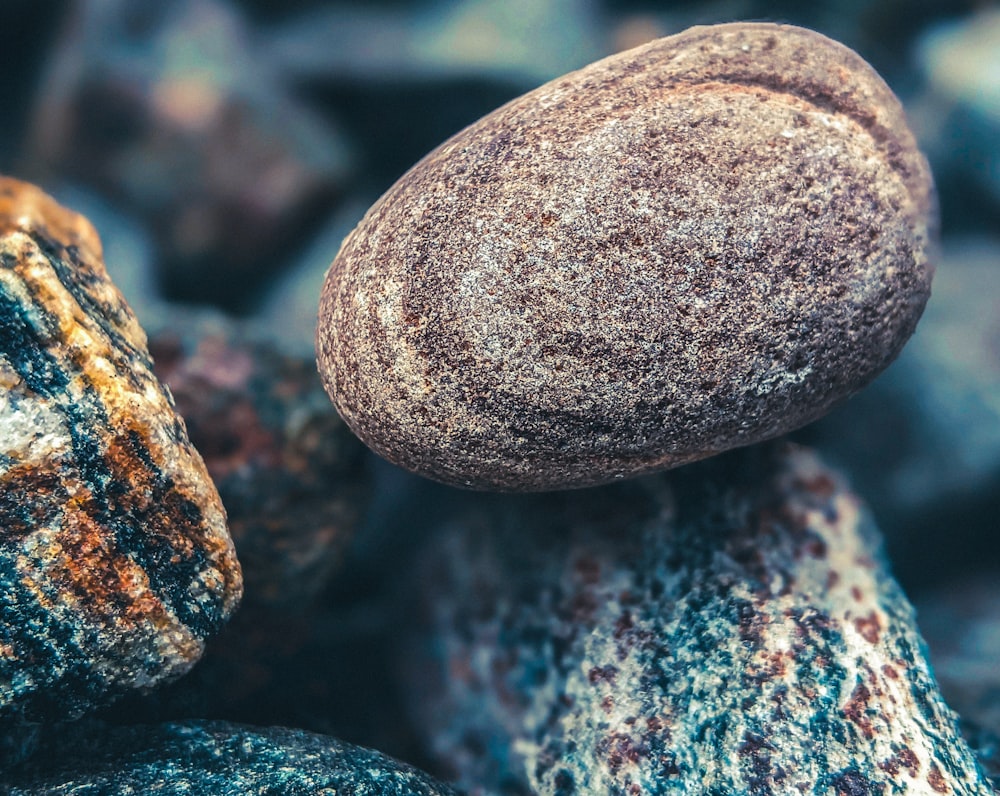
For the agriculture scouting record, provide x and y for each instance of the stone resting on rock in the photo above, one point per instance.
(694, 245)
(689, 247)
(727, 628)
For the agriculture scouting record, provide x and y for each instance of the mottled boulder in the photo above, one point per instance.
(729, 628)
(115, 563)
(212, 758)
(694, 245)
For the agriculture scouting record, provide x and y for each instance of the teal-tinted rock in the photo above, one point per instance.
(728, 629)
(212, 758)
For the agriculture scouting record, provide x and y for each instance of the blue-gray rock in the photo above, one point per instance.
(211, 759)
(727, 629)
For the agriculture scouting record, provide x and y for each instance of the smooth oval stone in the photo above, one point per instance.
(115, 561)
(694, 245)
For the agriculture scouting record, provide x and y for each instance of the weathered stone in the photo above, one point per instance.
(694, 245)
(290, 474)
(213, 758)
(728, 628)
(115, 563)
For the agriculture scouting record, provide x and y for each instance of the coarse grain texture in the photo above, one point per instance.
(115, 562)
(216, 759)
(687, 247)
(730, 628)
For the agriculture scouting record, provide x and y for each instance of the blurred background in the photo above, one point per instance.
(223, 148)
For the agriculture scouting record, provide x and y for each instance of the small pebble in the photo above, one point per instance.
(730, 628)
(115, 562)
(216, 759)
(694, 245)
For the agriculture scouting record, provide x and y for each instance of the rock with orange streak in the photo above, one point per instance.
(115, 561)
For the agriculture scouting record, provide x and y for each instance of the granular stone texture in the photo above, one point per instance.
(698, 244)
(728, 629)
(213, 758)
(115, 563)
(290, 473)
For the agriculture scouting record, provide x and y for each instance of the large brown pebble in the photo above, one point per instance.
(694, 245)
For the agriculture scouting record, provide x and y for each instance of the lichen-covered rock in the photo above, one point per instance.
(729, 628)
(212, 758)
(687, 247)
(290, 474)
(115, 563)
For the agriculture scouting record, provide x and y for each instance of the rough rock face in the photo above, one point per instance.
(726, 629)
(214, 758)
(115, 563)
(691, 246)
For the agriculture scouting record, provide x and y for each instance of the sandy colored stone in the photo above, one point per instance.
(115, 562)
(730, 628)
(690, 246)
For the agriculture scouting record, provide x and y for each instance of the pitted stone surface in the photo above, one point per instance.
(726, 629)
(115, 562)
(687, 247)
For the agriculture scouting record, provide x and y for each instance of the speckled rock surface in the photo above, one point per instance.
(213, 758)
(726, 629)
(290, 474)
(694, 245)
(115, 563)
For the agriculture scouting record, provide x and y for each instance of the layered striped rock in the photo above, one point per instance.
(730, 629)
(115, 562)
